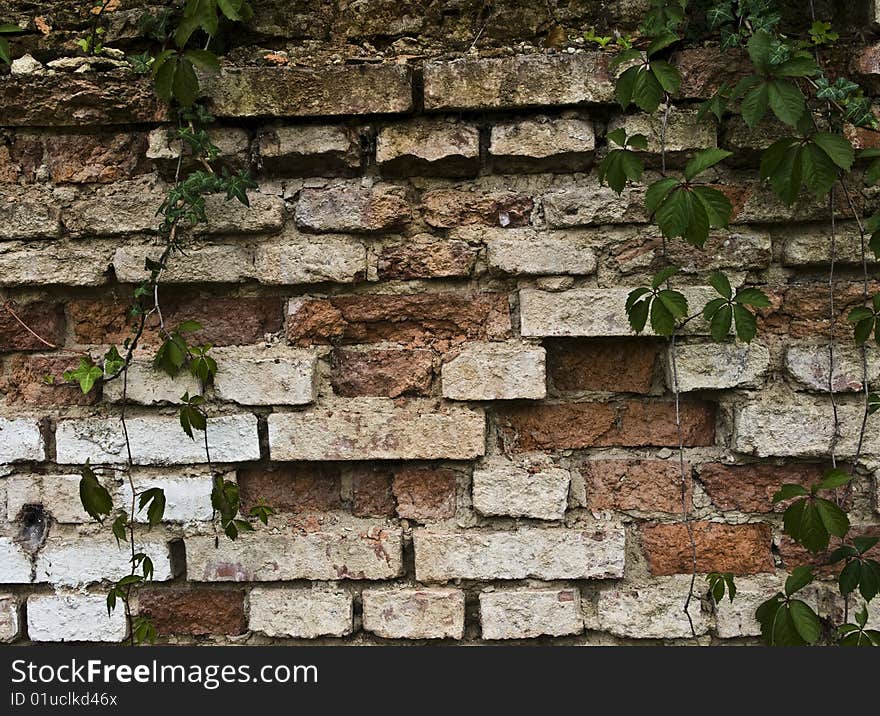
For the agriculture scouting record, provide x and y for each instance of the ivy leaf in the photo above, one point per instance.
(703, 160)
(191, 416)
(113, 362)
(95, 498)
(86, 374)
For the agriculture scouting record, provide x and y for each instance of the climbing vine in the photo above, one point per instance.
(184, 37)
(787, 81)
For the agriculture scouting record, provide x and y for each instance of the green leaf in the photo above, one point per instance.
(712, 307)
(833, 518)
(717, 205)
(155, 498)
(674, 301)
(204, 59)
(662, 320)
(805, 621)
(752, 297)
(799, 66)
(697, 230)
(869, 584)
(786, 101)
(719, 281)
(720, 324)
(5, 55)
(819, 172)
(647, 91)
(863, 544)
(638, 141)
(703, 160)
(850, 576)
(623, 89)
(759, 49)
(188, 326)
(800, 578)
(746, 325)
(837, 147)
(118, 527)
(832, 480)
(113, 362)
(731, 585)
(186, 84)
(164, 77)
(667, 76)
(657, 192)
(754, 105)
(786, 492)
(674, 214)
(663, 275)
(766, 616)
(637, 305)
(86, 374)
(95, 498)
(618, 136)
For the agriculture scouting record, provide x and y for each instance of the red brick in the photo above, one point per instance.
(291, 488)
(226, 320)
(425, 493)
(630, 423)
(81, 158)
(371, 493)
(625, 366)
(384, 372)
(413, 319)
(24, 381)
(704, 69)
(42, 317)
(794, 555)
(750, 488)
(194, 612)
(448, 208)
(648, 485)
(803, 310)
(741, 549)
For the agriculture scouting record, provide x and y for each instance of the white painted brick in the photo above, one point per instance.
(156, 440)
(373, 429)
(414, 613)
(503, 487)
(283, 379)
(10, 618)
(300, 613)
(150, 386)
(795, 424)
(717, 366)
(15, 564)
(75, 560)
(648, 610)
(187, 498)
(496, 371)
(58, 494)
(20, 440)
(74, 617)
(527, 552)
(361, 550)
(530, 613)
(526, 252)
(593, 312)
(810, 366)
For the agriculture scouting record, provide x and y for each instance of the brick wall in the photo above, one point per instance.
(425, 365)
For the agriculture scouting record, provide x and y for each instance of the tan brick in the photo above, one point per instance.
(309, 150)
(542, 142)
(352, 207)
(414, 613)
(451, 208)
(502, 487)
(527, 614)
(300, 613)
(437, 147)
(495, 371)
(741, 549)
(426, 256)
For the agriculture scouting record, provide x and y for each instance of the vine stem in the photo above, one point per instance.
(8, 308)
(683, 478)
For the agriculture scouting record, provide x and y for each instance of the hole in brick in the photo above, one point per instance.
(178, 558)
(33, 527)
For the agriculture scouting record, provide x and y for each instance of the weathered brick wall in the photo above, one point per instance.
(425, 365)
